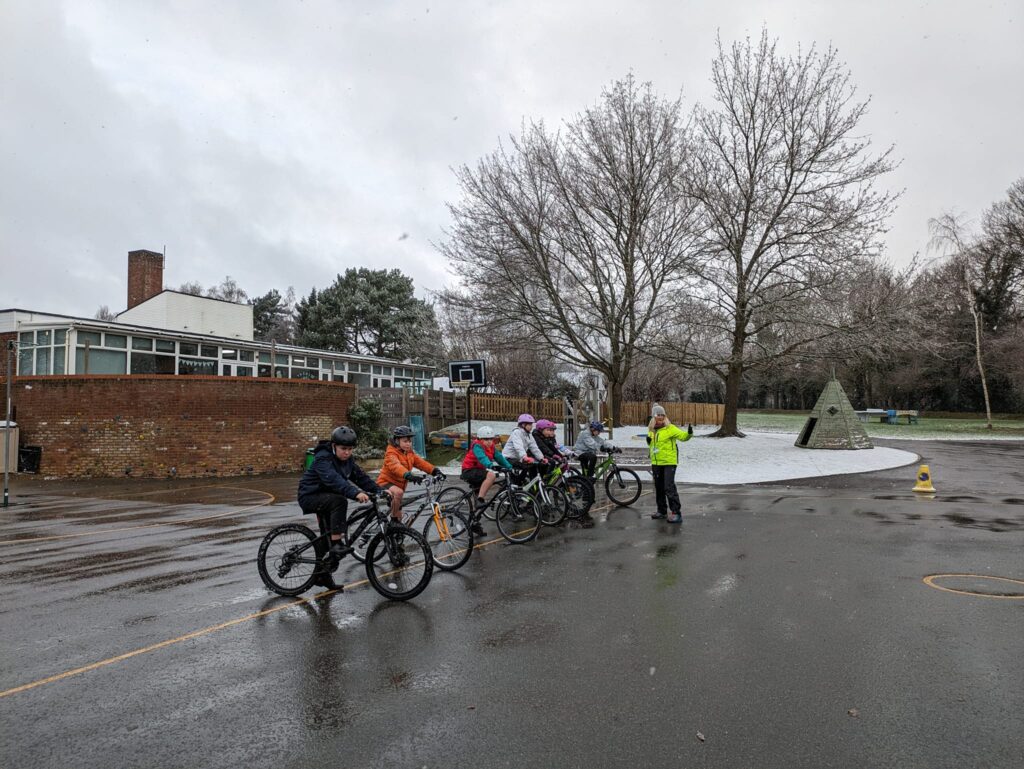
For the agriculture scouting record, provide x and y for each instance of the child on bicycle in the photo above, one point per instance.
(476, 468)
(332, 479)
(399, 462)
(588, 444)
(521, 449)
(545, 437)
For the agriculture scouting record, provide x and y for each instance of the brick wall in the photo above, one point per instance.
(4, 338)
(141, 426)
(145, 276)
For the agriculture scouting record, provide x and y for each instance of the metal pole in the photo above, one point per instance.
(7, 427)
(469, 415)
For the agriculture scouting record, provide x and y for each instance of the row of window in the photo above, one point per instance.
(43, 352)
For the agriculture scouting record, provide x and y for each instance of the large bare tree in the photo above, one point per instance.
(785, 187)
(570, 239)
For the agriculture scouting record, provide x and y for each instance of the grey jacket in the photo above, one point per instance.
(521, 444)
(587, 442)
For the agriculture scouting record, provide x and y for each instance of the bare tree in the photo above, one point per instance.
(570, 239)
(105, 313)
(785, 188)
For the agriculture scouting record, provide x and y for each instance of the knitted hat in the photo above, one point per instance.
(658, 411)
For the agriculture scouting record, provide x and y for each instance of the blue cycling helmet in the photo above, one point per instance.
(597, 426)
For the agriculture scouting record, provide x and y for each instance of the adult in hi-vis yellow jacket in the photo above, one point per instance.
(661, 442)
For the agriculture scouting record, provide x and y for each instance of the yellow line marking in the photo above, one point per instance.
(202, 631)
(930, 582)
(101, 532)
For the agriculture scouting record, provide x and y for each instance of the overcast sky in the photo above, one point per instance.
(283, 142)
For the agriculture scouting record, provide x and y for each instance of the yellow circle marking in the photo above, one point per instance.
(930, 582)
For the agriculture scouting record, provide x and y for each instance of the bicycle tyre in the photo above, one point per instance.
(455, 499)
(623, 486)
(554, 511)
(453, 547)
(580, 491)
(273, 557)
(399, 580)
(517, 517)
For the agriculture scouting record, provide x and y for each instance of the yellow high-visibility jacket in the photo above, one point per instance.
(661, 443)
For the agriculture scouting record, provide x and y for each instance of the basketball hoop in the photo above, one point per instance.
(463, 385)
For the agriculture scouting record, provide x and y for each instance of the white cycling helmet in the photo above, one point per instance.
(485, 432)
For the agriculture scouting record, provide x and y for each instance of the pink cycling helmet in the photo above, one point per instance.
(524, 418)
(544, 424)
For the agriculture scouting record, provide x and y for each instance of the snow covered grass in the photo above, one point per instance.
(926, 429)
(760, 457)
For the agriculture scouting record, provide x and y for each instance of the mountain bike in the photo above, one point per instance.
(515, 512)
(398, 559)
(551, 501)
(578, 488)
(622, 485)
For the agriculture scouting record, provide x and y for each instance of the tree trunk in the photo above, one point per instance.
(981, 365)
(615, 403)
(729, 428)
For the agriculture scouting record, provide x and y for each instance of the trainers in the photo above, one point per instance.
(324, 579)
(478, 530)
(586, 522)
(658, 516)
(675, 518)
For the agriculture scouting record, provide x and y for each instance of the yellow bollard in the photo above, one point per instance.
(924, 480)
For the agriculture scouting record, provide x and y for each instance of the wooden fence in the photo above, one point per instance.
(440, 409)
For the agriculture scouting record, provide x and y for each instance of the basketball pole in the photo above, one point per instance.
(469, 416)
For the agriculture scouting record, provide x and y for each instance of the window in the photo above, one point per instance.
(146, 363)
(120, 341)
(364, 367)
(142, 343)
(197, 367)
(164, 345)
(339, 377)
(312, 363)
(96, 361)
(246, 355)
(43, 359)
(89, 337)
(42, 339)
(376, 369)
(243, 370)
(26, 339)
(58, 359)
(281, 360)
(188, 348)
(305, 373)
(298, 360)
(208, 351)
(263, 369)
(363, 380)
(24, 360)
(228, 354)
(60, 336)
(264, 357)
(385, 383)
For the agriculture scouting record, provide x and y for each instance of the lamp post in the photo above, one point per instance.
(7, 424)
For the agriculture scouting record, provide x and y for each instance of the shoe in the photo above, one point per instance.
(675, 518)
(657, 516)
(326, 580)
(478, 530)
(586, 522)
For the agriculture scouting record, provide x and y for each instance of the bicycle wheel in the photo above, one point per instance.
(622, 486)
(449, 537)
(517, 516)
(554, 509)
(580, 491)
(288, 560)
(455, 499)
(399, 563)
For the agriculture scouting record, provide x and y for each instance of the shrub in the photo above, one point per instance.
(367, 419)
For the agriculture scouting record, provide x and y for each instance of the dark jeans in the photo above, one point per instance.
(331, 510)
(588, 461)
(665, 488)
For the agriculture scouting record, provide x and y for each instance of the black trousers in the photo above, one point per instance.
(331, 510)
(588, 461)
(665, 488)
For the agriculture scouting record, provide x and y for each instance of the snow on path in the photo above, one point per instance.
(758, 458)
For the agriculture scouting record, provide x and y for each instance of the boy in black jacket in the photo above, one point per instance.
(326, 487)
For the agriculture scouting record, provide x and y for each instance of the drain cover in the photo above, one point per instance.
(980, 585)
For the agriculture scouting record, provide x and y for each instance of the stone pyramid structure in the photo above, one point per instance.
(833, 424)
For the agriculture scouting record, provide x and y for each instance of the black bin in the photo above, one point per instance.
(29, 458)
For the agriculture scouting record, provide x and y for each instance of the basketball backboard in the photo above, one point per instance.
(472, 371)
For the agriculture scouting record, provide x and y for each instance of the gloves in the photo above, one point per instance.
(437, 473)
(413, 477)
(528, 460)
(689, 429)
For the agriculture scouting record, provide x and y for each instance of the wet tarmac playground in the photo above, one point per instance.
(841, 621)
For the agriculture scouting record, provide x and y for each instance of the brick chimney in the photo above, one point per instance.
(145, 276)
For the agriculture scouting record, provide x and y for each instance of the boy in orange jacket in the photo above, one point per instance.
(399, 460)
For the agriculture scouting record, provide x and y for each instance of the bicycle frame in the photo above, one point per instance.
(429, 494)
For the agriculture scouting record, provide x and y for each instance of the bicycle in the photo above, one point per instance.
(578, 488)
(398, 560)
(446, 529)
(515, 512)
(552, 501)
(622, 485)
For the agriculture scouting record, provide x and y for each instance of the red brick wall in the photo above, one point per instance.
(187, 426)
(145, 276)
(4, 338)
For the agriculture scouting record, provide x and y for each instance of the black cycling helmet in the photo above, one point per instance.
(343, 436)
(402, 431)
